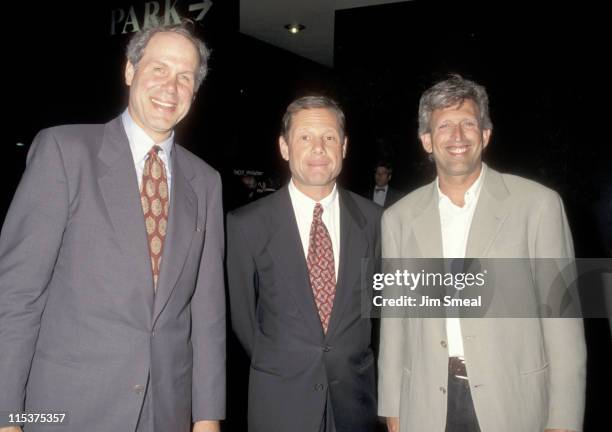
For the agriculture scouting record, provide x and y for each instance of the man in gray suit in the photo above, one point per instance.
(485, 374)
(112, 306)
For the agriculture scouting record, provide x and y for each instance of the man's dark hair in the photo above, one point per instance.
(312, 102)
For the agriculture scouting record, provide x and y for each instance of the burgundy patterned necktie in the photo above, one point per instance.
(321, 269)
(154, 199)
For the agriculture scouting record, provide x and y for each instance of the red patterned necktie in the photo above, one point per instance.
(321, 269)
(154, 199)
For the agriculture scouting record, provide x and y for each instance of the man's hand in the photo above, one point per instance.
(10, 429)
(393, 424)
(200, 426)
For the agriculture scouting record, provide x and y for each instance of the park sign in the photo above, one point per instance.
(135, 18)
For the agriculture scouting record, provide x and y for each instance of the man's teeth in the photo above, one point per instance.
(164, 104)
(457, 150)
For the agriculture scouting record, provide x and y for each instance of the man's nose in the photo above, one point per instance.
(318, 145)
(457, 133)
(170, 84)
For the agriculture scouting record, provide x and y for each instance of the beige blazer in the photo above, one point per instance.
(526, 374)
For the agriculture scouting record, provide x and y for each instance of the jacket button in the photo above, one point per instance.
(443, 390)
(443, 343)
(326, 348)
(318, 387)
(139, 389)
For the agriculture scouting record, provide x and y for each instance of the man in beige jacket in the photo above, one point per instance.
(487, 374)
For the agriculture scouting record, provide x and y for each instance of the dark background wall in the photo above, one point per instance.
(543, 67)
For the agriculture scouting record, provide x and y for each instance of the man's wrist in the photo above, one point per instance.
(205, 426)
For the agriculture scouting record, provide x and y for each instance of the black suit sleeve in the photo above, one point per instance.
(241, 277)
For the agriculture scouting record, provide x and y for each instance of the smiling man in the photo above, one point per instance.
(487, 374)
(112, 307)
(295, 281)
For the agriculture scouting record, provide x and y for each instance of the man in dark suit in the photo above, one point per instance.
(295, 285)
(383, 194)
(103, 316)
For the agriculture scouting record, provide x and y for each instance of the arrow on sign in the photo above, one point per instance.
(203, 7)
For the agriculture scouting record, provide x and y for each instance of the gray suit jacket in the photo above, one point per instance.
(295, 367)
(81, 328)
(525, 374)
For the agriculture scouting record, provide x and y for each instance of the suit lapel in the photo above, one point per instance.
(490, 214)
(286, 250)
(353, 248)
(181, 228)
(426, 227)
(119, 187)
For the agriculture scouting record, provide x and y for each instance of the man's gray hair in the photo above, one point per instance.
(312, 102)
(449, 92)
(138, 43)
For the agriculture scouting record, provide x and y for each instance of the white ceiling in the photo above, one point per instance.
(265, 20)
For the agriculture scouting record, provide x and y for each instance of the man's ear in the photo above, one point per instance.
(486, 137)
(426, 142)
(344, 147)
(284, 147)
(129, 72)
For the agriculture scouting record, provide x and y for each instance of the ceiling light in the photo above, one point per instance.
(295, 28)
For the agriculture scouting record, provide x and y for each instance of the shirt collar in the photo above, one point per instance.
(303, 202)
(140, 142)
(472, 194)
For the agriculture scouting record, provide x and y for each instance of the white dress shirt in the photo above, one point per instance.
(303, 207)
(140, 145)
(379, 196)
(455, 222)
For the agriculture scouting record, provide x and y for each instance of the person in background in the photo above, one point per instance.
(383, 194)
